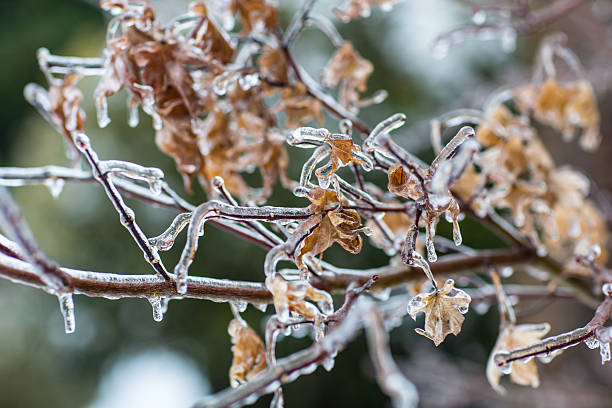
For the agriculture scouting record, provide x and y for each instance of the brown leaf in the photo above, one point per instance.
(443, 310)
(341, 226)
(249, 353)
(65, 99)
(512, 337)
(567, 107)
(260, 14)
(290, 298)
(213, 42)
(348, 69)
(298, 106)
(273, 65)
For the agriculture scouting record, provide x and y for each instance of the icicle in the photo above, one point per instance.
(457, 231)
(102, 112)
(382, 294)
(133, 117)
(67, 309)
(262, 307)
(278, 401)
(240, 306)
(158, 314)
(55, 186)
(431, 250)
(604, 351)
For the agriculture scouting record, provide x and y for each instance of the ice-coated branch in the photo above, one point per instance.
(126, 215)
(218, 209)
(57, 64)
(552, 346)
(391, 380)
(13, 223)
(54, 176)
(304, 362)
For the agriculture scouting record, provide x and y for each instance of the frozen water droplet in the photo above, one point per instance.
(260, 306)
(482, 308)
(328, 364)
(128, 218)
(102, 113)
(506, 271)
(479, 17)
(505, 368)
(133, 117)
(67, 309)
(431, 251)
(604, 351)
(606, 288)
(155, 185)
(164, 305)
(156, 304)
(278, 401)
(592, 342)
(415, 305)
(241, 306)
(55, 186)
(462, 309)
(382, 294)
(508, 40)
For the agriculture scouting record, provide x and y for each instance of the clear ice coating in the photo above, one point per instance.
(55, 186)
(592, 342)
(67, 308)
(604, 351)
(156, 304)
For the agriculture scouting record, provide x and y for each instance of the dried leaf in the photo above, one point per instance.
(512, 337)
(249, 353)
(349, 70)
(444, 310)
(341, 226)
(290, 298)
(65, 99)
(567, 107)
(258, 15)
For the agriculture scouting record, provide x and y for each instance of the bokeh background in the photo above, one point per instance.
(120, 357)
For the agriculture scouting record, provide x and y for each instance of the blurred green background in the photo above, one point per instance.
(120, 357)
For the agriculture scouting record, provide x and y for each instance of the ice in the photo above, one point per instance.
(262, 307)
(592, 342)
(506, 271)
(604, 351)
(479, 17)
(133, 117)
(328, 364)
(431, 250)
(240, 306)
(606, 289)
(278, 401)
(67, 308)
(156, 304)
(55, 186)
(102, 112)
(507, 38)
(382, 294)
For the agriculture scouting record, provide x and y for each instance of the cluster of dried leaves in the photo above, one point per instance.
(218, 98)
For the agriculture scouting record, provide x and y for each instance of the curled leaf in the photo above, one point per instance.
(444, 309)
(249, 353)
(513, 337)
(290, 298)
